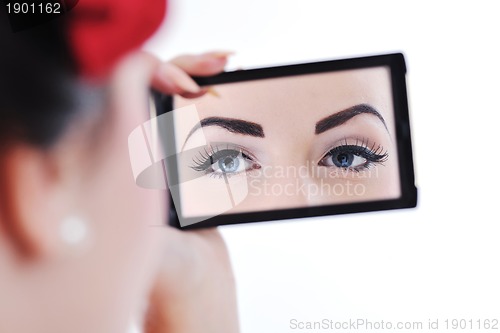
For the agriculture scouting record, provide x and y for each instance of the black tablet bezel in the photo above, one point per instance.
(395, 62)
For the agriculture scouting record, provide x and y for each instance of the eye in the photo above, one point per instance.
(343, 159)
(353, 157)
(223, 162)
(233, 162)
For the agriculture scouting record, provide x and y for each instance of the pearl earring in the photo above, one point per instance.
(73, 230)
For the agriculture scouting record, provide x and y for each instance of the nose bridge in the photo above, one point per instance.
(288, 184)
(290, 169)
(289, 173)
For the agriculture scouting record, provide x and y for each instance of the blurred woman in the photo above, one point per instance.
(77, 249)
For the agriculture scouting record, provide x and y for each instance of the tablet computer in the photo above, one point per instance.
(293, 141)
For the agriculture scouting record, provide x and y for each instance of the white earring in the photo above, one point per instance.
(73, 230)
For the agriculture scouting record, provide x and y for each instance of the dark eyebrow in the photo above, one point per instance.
(232, 125)
(343, 116)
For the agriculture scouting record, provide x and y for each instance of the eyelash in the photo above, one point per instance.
(205, 159)
(373, 154)
(212, 155)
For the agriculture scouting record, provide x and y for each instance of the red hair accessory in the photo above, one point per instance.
(102, 31)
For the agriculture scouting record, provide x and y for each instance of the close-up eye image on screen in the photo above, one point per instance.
(290, 141)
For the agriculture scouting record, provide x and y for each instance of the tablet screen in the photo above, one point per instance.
(288, 141)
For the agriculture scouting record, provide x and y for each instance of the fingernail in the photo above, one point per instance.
(213, 92)
(221, 54)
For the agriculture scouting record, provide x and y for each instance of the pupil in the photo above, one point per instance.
(343, 160)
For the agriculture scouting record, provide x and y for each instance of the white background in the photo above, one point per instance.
(440, 260)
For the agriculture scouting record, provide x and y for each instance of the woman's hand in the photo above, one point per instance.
(195, 289)
(173, 77)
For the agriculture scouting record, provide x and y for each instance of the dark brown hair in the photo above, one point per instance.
(38, 83)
